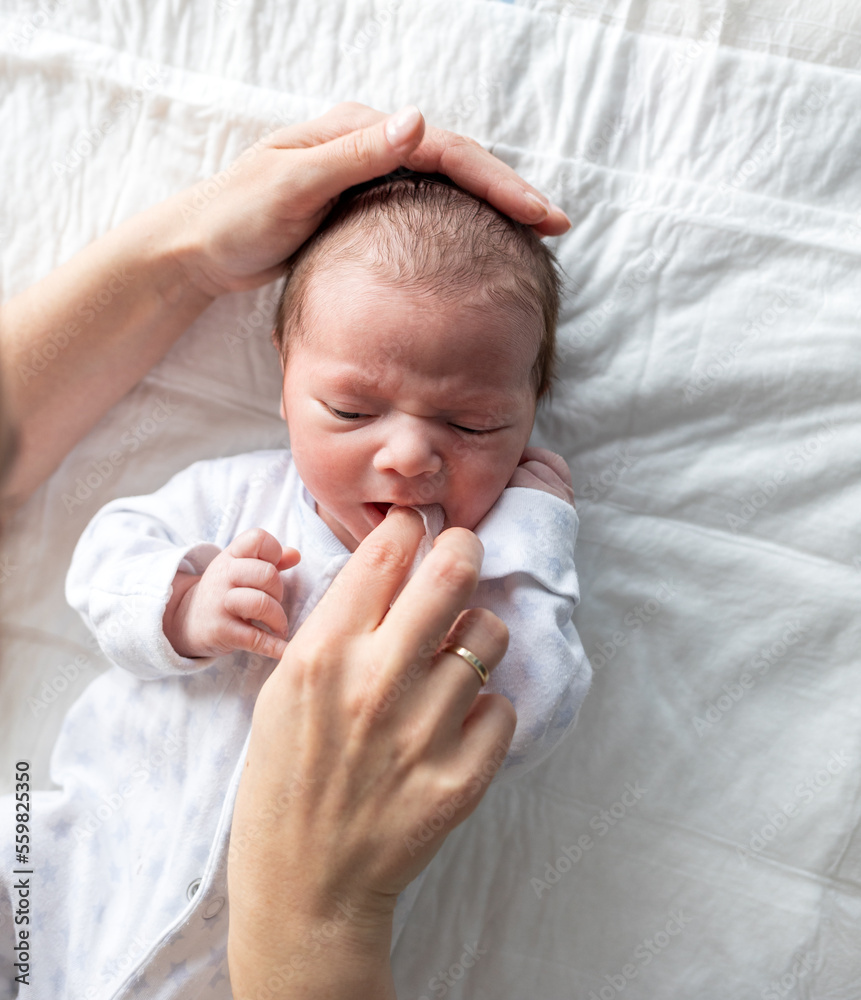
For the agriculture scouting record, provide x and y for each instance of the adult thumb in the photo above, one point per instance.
(364, 153)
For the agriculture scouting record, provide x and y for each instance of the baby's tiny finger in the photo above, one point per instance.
(549, 482)
(255, 640)
(520, 477)
(289, 558)
(254, 605)
(554, 483)
(556, 462)
(257, 574)
(543, 473)
(256, 543)
(560, 467)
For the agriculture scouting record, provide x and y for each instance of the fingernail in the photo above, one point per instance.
(394, 507)
(402, 123)
(537, 208)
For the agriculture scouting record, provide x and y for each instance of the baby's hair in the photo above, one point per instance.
(423, 233)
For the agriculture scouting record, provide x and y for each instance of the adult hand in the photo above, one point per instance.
(247, 220)
(367, 748)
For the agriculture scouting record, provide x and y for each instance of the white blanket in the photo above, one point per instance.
(697, 835)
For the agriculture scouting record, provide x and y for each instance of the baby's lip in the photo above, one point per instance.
(378, 509)
(384, 505)
(376, 512)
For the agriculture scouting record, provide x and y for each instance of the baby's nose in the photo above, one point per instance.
(410, 452)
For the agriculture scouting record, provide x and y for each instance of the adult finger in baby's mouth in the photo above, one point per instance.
(360, 596)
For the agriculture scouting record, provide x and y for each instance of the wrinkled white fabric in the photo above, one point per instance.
(707, 403)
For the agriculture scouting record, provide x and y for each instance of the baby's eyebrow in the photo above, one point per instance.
(350, 382)
(359, 384)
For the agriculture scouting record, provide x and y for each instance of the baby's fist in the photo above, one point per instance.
(540, 469)
(241, 585)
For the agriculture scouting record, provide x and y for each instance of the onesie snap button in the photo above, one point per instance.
(192, 888)
(213, 907)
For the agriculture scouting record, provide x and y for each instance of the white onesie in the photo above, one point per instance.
(129, 891)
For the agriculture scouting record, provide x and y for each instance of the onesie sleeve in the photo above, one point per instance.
(528, 579)
(122, 569)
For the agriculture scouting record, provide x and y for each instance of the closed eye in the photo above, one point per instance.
(471, 430)
(346, 416)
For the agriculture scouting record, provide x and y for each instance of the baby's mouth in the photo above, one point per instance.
(378, 510)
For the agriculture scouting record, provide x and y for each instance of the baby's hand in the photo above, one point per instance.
(540, 469)
(211, 614)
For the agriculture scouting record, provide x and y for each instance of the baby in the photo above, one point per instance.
(412, 368)
(416, 335)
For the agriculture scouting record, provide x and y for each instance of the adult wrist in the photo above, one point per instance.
(175, 238)
(340, 956)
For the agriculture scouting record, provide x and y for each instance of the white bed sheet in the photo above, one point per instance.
(708, 405)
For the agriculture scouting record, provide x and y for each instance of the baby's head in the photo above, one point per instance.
(416, 331)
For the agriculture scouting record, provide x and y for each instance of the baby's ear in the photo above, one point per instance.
(273, 336)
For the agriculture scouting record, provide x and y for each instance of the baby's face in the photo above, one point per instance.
(401, 398)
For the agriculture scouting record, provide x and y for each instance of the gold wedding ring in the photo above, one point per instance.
(470, 658)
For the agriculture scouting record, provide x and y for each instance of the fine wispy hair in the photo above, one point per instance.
(422, 233)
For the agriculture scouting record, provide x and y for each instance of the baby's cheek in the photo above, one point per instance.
(480, 504)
